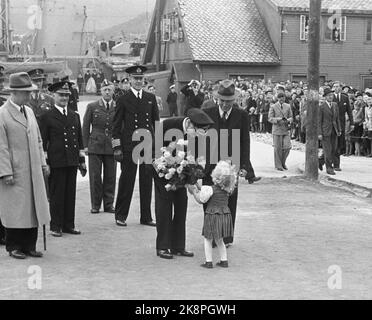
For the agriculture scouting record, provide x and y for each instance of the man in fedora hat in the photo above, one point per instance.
(97, 135)
(23, 198)
(171, 207)
(329, 127)
(281, 117)
(228, 117)
(136, 110)
(63, 143)
(40, 102)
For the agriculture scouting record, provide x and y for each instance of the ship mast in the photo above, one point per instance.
(5, 30)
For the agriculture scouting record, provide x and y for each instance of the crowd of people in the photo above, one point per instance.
(256, 97)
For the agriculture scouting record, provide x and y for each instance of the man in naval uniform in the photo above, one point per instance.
(63, 144)
(135, 110)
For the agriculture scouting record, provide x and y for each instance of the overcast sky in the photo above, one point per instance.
(105, 13)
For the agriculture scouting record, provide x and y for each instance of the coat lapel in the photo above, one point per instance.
(16, 114)
(58, 115)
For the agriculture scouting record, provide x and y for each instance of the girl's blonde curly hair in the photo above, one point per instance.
(225, 176)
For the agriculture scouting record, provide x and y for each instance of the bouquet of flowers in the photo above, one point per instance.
(179, 168)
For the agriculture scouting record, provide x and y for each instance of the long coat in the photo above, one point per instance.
(23, 205)
(328, 119)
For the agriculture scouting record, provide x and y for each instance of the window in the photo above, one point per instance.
(335, 29)
(304, 28)
(369, 30)
(166, 32)
(248, 77)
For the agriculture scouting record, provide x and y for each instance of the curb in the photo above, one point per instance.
(328, 181)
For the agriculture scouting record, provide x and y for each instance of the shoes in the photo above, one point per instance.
(182, 253)
(94, 211)
(285, 167)
(228, 245)
(222, 264)
(121, 223)
(17, 254)
(331, 172)
(337, 169)
(34, 254)
(207, 265)
(110, 210)
(72, 231)
(56, 234)
(164, 254)
(2, 242)
(253, 180)
(150, 224)
(280, 169)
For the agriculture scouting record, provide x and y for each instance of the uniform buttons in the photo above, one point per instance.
(147, 114)
(66, 146)
(135, 115)
(65, 134)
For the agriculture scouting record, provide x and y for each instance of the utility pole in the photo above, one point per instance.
(158, 35)
(311, 166)
(4, 17)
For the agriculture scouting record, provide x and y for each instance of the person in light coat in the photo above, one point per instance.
(23, 198)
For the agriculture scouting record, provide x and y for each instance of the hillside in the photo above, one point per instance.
(136, 27)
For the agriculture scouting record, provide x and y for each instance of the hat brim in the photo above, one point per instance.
(63, 92)
(31, 88)
(225, 98)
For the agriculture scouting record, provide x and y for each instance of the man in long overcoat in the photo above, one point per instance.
(23, 198)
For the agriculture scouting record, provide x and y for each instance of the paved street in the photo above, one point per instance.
(289, 232)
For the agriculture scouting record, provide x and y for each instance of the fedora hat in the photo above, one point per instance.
(226, 91)
(20, 82)
(327, 91)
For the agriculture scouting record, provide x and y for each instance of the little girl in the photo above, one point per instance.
(217, 219)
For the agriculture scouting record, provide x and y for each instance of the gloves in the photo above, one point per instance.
(118, 155)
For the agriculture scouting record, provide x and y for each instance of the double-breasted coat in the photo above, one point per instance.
(23, 205)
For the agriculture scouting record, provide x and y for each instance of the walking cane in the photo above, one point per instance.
(44, 237)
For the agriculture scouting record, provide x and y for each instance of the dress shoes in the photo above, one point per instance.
(121, 223)
(253, 180)
(56, 234)
(94, 211)
(110, 210)
(207, 265)
(337, 169)
(17, 254)
(150, 224)
(222, 264)
(72, 231)
(164, 254)
(34, 254)
(182, 253)
(285, 167)
(2, 242)
(280, 169)
(331, 172)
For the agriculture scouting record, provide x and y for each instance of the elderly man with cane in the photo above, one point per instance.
(23, 198)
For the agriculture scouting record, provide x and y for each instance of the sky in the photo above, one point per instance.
(103, 13)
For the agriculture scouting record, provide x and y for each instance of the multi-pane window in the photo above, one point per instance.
(335, 28)
(369, 30)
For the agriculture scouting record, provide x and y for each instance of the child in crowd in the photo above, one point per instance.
(217, 219)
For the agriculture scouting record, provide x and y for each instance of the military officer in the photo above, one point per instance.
(40, 102)
(97, 135)
(74, 94)
(63, 144)
(135, 110)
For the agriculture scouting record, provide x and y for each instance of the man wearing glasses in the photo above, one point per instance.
(227, 117)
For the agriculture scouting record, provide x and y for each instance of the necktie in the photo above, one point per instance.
(224, 116)
(108, 106)
(64, 112)
(23, 110)
(139, 96)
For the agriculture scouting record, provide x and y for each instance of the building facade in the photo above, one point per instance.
(259, 39)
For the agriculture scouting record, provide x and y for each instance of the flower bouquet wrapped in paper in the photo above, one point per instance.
(179, 168)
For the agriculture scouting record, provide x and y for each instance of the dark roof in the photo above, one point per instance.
(349, 5)
(227, 31)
